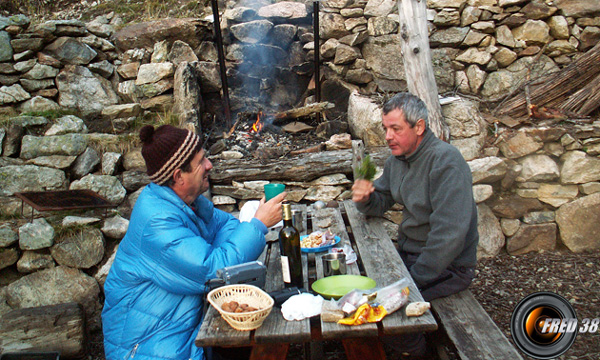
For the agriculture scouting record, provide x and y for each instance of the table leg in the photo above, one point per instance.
(269, 351)
(364, 348)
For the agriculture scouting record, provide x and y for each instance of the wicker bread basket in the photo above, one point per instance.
(243, 294)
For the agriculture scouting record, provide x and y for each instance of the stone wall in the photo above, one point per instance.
(537, 187)
(480, 47)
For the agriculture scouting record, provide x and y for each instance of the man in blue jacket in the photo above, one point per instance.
(175, 243)
(438, 235)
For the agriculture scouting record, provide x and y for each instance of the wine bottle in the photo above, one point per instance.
(289, 243)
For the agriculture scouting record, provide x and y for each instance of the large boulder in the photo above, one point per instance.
(504, 81)
(56, 285)
(84, 91)
(106, 186)
(80, 249)
(71, 51)
(491, 238)
(36, 235)
(532, 238)
(364, 119)
(6, 50)
(578, 223)
(187, 94)
(16, 178)
(146, 34)
(68, 144)
(578, 8)
(579, 168)
(382, 56)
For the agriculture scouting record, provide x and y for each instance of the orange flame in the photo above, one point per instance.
(257, 126)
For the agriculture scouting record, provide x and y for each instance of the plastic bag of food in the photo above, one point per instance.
(330, 311)
(354, 299)
(394, 296)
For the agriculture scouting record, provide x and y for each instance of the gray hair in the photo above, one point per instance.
(411, 106)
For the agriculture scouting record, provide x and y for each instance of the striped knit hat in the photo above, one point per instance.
(165, 149)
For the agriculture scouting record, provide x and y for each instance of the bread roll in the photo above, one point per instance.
(417, 308)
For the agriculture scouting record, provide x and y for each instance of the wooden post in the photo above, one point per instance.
(417, 62)
(358, 154)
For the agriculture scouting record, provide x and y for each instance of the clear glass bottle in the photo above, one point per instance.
(291, 254)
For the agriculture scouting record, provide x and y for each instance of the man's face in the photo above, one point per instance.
(401, 138)
(196, 181)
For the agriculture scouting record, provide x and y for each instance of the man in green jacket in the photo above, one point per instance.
(438, 236)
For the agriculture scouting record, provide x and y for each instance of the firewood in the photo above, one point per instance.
(312, 149)
(303, 111)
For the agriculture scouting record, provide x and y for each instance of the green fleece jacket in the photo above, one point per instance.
(439, 220)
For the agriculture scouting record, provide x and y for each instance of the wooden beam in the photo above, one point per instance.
(417, 62)
(45, 328)
(304, 167)
(304, 111)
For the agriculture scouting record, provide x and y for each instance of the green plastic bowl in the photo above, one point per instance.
(339, 285)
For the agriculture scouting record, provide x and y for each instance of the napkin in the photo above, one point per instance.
(301, 306)
(347, 250)
(249, 209)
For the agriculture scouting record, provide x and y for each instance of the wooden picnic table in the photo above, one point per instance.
(377, 259)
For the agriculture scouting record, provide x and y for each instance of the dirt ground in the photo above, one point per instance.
(501, 283)
(505, 280)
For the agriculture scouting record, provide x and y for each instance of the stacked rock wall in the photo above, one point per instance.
(482, 47)
(537, 188)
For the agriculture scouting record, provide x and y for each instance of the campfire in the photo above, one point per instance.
(266, 136)
(258, 125)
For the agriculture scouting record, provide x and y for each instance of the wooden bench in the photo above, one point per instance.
(471, 330)
(48, 328)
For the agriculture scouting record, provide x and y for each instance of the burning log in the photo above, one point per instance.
(304, 111)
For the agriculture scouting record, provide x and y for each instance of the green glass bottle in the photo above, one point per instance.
(289, 243)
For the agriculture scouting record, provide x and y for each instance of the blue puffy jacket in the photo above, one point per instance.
(154, 290)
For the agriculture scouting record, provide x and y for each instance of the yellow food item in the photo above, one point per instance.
(365, 314)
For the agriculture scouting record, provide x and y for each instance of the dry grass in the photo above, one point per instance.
(121, 143)
(131, 11)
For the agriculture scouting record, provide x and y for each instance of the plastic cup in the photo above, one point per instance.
(273, 189)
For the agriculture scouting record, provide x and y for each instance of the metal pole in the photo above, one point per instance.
(223, 70)
(317, 53)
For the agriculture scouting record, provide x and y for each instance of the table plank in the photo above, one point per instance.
(215, 331)
(383, 264)
(338, 228)
(276, 328)
(330, 330)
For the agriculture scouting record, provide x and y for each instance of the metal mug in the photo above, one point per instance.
(334, 264)
(297, 220)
